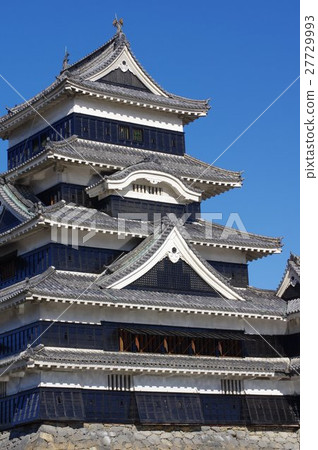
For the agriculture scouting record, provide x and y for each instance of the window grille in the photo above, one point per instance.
(232, 387)
(163, 342)
(117, 382)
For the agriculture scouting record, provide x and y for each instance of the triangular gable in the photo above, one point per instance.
(170, 245)
(126, 79)
(173, 277)
(126, 62)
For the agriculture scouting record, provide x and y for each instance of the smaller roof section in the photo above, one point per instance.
(289, 287)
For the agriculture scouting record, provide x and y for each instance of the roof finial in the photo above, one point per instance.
(118, 24)
(66, 59)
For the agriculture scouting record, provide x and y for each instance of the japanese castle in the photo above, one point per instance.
(119, 303)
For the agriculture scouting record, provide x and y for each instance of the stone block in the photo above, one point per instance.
(46, 436)
(241, 434)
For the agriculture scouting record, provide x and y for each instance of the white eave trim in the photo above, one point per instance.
(128, 101)
(145, 369)
(146, 307)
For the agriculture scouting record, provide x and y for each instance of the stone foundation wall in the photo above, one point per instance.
(118, 437)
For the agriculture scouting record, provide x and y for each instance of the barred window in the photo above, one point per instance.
(119, 382)
(142, 188)
(232, 387)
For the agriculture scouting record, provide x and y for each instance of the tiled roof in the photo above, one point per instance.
(172, 101)
(201, 231)
(101, 58)
(76, 75)
(86, 287)
(210, 232)
(148, 362)
(294, 263)
(15, 202)
(293, 306)
(117, 157)
(291, 275)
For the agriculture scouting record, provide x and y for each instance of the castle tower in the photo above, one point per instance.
(119, 303)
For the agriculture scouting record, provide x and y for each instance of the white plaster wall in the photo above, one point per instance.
(12, 318)
(51, 115)
(222, 254)
(92, 239)
(178, 383)
(33, 241)
(29, 381)
(75, 238)
(255, 326)
(66, 173)
(271, 387)
(19, 316)
(98, 379)
(127, 113)
(98, 108)
(94, 314)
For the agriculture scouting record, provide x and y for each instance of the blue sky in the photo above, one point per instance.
(241, 54)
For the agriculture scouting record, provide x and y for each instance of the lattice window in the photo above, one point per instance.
(232, 387)
(119, 382)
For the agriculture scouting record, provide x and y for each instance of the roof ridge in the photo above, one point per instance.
(18, 108)
(89, 55)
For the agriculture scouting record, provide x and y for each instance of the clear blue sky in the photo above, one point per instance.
(241, 54)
